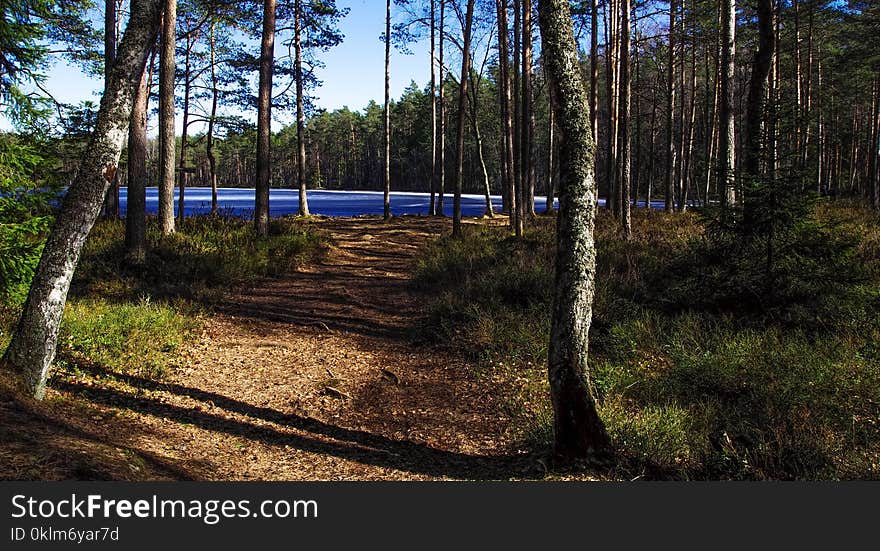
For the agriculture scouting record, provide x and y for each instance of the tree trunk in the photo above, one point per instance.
(798, 83)
(579, 431)
(264, 121)
(517, 120)
(727, 147)
(387, 126)
(209, 141)
(475, 126)
(183, 178)
(651, 150)
(136, 204)
(873, 183)
(758, 89)
(611, 137)
(442, 114)
(551, 151)
(506, 109)
(594, 73)
(688, 150)
(623, 105)
(432, 208)
(670, 112)
(637, 157)
(528, 114)
(112, 202)
(300, 114)
(712, 102)
(462, 121)
(34, 342)
(167, 68)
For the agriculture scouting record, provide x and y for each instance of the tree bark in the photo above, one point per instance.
(517, 119)
(579, 431)
(442, 115)
(670, 112)
(551, 151)
(758, 89)
(506, 109)
(528, 114)
(34, 342)
(462, 121)
(611, 97)
(873, 183)
(136, 204)
(183, 177)
(209, 140)
(433, 204)
(387, 125)
(264, 120)
(594, 71)
(727, 148)
(478, 137)
(167, 68)
(110, 20)
(300, 114)
(625, 140)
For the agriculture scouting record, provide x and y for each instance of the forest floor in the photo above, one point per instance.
(315, 375)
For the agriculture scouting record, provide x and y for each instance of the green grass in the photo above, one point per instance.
(134, 319)
(686, 392)
(140, 338)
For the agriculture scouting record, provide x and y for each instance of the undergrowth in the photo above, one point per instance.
(689, 387)
(197, 262)
(134, 318)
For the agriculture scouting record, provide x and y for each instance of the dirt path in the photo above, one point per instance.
(315, 376)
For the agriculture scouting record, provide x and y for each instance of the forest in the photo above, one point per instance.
(676, 275)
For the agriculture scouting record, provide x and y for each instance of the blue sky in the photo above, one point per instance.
(353, 75)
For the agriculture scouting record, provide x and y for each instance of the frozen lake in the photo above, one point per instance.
(240, 202)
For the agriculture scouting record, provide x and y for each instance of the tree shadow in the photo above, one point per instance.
(56, 449)
(324, 438)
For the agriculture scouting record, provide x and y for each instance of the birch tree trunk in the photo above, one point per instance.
(34, 342)
(625, 141)
(873, 183)
(579, 431)
(727, 147)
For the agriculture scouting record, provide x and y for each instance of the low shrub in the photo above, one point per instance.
(140, 338)
(687, 391)
(204, 255)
